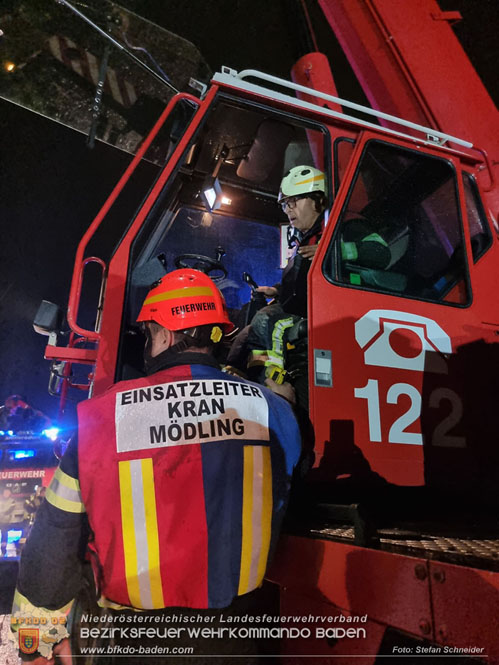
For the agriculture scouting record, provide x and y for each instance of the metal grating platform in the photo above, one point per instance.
(424, 543)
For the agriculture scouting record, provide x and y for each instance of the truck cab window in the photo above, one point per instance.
(400, 230)
(343, 150)
(247, 150)
(481, 237)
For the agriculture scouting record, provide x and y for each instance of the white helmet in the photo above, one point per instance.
(302, 180)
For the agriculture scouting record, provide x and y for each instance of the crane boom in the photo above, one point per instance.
(410, 64)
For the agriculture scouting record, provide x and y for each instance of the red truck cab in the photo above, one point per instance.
(399, 392)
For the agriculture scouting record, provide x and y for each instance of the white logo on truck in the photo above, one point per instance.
(374, 329)
(376, 334)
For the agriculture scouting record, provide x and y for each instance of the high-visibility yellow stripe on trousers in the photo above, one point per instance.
(257, 517)
(64, 492)
(140, 534)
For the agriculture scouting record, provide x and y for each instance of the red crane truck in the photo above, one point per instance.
(394, 533)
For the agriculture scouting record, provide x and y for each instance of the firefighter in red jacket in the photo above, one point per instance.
(178, 483)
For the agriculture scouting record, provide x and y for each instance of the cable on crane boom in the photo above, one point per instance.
(118, 45)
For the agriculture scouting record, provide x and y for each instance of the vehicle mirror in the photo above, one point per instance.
(48, 319)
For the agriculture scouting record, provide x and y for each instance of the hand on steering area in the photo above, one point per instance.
(268, 291)
(308, 251)
(285, 390)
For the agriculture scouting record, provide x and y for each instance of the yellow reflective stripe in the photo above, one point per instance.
(257, 517)
(267, 357)
(266, 514)
(18, 599)
(247, 521)
(64, 493)
(257, 358)
(277, 352)
(140, 533)
(152, 533)
(68, 481)
(180, 293)
(64, 504)
(22, 608)
(305, 182)
(127, 526)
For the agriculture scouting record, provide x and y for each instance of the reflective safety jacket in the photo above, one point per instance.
(185, 476)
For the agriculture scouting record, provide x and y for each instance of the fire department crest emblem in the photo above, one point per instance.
(28, 640)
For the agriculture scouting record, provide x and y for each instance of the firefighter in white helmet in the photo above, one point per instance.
(302, 197)
(261, 349)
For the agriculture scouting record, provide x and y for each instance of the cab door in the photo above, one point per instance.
(391, 324)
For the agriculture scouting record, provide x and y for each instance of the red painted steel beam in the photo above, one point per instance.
(391, 589)
(466, 608)
(444, 603)
(373, 61)
(75, 355)
(313, 71)
(410, 64)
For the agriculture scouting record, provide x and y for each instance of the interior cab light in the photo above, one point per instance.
(211, 193)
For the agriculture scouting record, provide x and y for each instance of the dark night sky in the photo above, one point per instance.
(262, 34)
(51, 186)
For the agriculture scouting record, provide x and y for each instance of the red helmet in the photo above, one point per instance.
(15, 401)
(184, 299)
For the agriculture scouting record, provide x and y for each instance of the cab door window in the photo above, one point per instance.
(343, 151)
(481, 238)
(400, 230)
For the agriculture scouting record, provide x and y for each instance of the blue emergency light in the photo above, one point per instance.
(13, 535)
(51, 433)
(22, 454)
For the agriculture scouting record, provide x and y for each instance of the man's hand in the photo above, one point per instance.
(285, 390)
(268, 291)
(308, 251)
(61, 655)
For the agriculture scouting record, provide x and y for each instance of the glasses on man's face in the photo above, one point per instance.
(290, 202)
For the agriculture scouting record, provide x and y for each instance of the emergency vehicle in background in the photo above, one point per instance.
(27, 464)
(397, 516)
